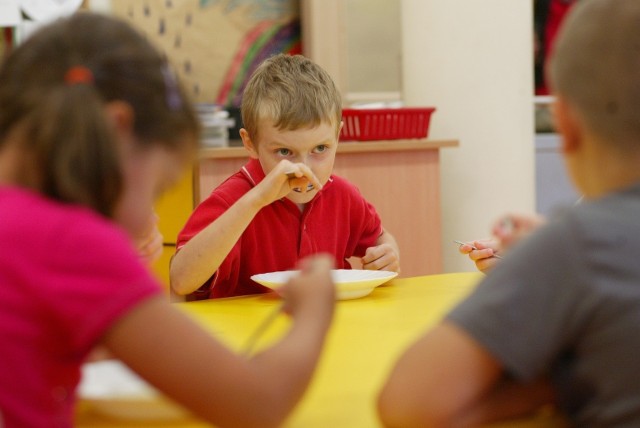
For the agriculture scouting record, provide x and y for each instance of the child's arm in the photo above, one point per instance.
(199, 258)
(384, 256)
(149, 243)
(448, 379)
(149, 247)
(507, 231)
(167, 349)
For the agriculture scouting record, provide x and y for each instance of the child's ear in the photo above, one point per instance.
(120, 115)
(248, 143)
(568, 124)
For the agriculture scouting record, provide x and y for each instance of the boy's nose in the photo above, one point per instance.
(303, 159)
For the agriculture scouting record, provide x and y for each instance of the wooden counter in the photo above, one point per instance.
(401, 178)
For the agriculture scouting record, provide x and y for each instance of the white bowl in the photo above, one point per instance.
(111, 389)
(350, 283)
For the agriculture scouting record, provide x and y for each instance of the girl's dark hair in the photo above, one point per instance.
(62, 126)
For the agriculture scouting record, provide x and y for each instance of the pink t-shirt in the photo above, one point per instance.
(66, 275)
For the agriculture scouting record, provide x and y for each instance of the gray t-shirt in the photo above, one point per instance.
(566, 303)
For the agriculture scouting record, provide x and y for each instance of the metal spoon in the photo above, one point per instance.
(464, 243)
(259, 331)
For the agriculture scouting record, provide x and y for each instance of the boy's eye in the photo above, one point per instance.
(283, 152)
(321, 148)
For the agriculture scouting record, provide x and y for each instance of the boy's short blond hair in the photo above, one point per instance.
(596, 67)
(293, 92)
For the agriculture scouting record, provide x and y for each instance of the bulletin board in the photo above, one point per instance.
(214, 45)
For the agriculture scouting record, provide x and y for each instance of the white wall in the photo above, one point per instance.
(473, 61)
(373, 45)
(103, 6)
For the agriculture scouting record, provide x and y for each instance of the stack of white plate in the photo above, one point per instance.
(215, 125)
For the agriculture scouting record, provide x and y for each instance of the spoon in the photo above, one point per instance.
(259, 331)
(291, 175)
(464, 243)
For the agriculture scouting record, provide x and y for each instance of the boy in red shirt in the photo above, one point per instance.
(284, 204)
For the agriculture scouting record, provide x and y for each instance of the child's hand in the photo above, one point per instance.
(149, 242)
(507, 231)
(483, 255)
(285, 178)
(512, 228)
(381, 257)
(312, 292)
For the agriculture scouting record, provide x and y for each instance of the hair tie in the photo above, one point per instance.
(173, 98)
(78, 75)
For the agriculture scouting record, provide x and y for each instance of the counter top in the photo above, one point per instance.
(346, 147)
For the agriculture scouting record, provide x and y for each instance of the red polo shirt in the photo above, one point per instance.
(338, 221)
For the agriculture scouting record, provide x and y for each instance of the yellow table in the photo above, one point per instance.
(367, 336)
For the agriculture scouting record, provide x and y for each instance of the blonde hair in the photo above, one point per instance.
(71, 146)
(595, 66)
(293, 92)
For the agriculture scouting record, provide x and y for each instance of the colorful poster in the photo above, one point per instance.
(214, 45)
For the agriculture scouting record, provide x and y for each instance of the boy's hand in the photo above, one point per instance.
(285, 178)
(483, 255)
(381, 257)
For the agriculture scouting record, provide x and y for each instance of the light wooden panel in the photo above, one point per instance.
(214, 171)
(405, 189)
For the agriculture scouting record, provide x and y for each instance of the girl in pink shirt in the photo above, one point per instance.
(93, 126)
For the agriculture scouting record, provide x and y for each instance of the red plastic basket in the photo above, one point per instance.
(385, 124)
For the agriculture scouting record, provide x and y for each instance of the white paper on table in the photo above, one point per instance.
(9, 13)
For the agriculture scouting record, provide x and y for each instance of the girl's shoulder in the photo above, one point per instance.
(43, 226)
